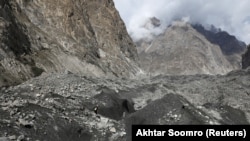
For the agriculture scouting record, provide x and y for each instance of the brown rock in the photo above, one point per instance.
(86, 37)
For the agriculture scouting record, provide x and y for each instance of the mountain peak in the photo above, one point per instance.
(180, 23)
(151, 23)
(182, 50)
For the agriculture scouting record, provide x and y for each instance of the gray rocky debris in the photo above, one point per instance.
(13, 137)
(68, 72)
(4, 139)
(197, 99)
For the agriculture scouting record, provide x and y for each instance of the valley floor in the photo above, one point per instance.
(65, 107)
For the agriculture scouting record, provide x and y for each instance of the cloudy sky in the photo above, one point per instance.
(232, 16)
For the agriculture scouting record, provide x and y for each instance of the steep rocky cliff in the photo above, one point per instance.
(229, 44)
(181, 50)
(246, 58)
(86, 37)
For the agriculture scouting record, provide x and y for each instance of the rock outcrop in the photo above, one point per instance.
(85, 37)
(181, 50)
(246, 58)
(76, 57)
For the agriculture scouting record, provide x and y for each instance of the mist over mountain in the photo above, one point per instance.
(231, 47)
(229, 44)
(229, 15)
(184, 49)
(69, 71)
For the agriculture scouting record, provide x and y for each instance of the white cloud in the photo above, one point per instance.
(229, 15)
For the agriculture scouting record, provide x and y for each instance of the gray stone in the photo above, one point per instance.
(4, 139)
(13, 137)
(25, 123)
(21, 138)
